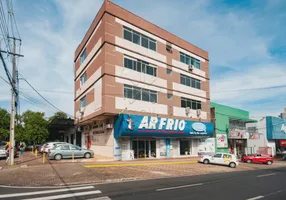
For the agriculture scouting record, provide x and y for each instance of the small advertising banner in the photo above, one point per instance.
(221, 141)
(238, 134)
(254, 135)
(282, 143)
(206, 146)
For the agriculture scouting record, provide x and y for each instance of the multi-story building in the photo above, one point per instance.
(140, 91)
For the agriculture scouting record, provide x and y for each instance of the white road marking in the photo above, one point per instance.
(254, 198)
(100, 198)
(274, 193)
(263, 175)
(62, 196)
(178, 187)
(44, 192)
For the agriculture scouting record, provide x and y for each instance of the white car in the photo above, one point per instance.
(220, 159)
(45, 148)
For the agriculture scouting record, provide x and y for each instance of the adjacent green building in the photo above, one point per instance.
(230, 128)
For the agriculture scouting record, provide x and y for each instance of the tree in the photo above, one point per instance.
(61, 115)
(4, 124)
(35, 126)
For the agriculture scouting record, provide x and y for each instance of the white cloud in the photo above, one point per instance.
(235, 38)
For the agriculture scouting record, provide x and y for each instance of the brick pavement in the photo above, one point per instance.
(54, 173)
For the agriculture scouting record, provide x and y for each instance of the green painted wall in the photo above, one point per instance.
(222, 115)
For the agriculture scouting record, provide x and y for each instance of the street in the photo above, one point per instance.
(241, 185)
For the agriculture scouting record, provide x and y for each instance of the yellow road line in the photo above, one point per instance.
(138, 164)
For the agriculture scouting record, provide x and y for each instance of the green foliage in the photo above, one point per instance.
(61, 115)
(36, 126)
(4, 124)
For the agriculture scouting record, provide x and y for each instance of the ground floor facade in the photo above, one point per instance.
(129, 137)
(138, 148)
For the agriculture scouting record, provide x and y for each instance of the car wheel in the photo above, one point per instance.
(249, 161)
(58, 157)
(232, 165)
(269, 162)
(87, 155)
(206, 161)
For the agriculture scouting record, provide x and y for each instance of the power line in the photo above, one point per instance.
(252, 89)
(241, 78)
(43, 96)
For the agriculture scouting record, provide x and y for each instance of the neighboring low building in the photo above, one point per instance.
(61, 129)
(230, 129)
(272, 135)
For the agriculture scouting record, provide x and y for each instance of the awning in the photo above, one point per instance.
(245, 120)
(150, 126)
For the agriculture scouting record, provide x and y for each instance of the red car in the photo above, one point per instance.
(258, 158)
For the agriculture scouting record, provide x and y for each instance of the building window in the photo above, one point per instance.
(169, 96)
(82, 79)
(192, 104)
(139, 39)
(83, 102)
(141, 94)
(169, 71)
(191, 82)
(140, 66)
(190, 60)
(82, 56)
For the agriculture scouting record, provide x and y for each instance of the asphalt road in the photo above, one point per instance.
(258, 184)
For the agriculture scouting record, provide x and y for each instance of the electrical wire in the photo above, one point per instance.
(43, 96)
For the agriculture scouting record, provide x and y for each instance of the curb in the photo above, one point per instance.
(138, 164)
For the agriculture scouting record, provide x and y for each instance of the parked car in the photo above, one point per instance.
(258, 158)
(220, 159)
(3, 152)
(50, 145)
(65, 151)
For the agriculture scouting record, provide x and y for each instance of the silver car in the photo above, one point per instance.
(65, 151)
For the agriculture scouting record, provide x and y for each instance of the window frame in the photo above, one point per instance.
(149, 40)
(143, 66)
(83, 99)
(83, 76)
(191, 80)
(191, 102)
(151, 93)
(81, 59)
(193, 61)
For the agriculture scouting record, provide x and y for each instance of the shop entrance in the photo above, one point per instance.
(144, 148)
(184, 147)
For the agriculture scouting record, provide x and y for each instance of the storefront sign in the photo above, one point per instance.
(221, 141)
(135, 125)
(206, 146)
(282, 143)
(238, 134)
(276, 128)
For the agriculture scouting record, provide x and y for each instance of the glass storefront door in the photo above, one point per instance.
(144, 148)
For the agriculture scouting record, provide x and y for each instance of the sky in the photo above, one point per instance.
(245, 40)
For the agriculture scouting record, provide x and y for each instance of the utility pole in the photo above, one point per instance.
(12, 118)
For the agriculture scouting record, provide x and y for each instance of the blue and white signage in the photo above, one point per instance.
(276, 128)
(134, 125)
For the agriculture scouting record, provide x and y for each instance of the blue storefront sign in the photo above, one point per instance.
(149, 126)
(276, 128)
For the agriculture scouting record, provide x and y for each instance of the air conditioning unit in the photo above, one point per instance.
(199, 111)
(169, 48)
(187, 109)
(108, 126)
(191, 67)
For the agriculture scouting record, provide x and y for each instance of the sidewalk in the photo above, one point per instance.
(55, 173)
